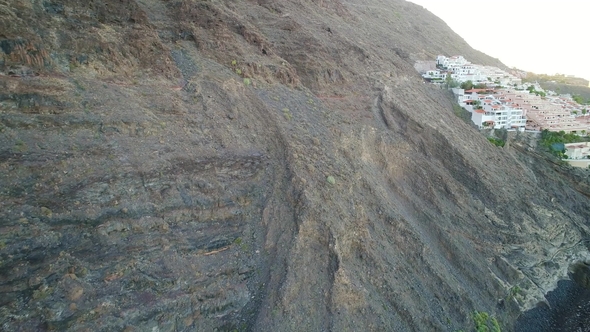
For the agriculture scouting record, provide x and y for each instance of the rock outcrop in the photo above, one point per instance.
(260, 166)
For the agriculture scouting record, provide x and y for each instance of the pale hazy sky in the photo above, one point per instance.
(545, 37)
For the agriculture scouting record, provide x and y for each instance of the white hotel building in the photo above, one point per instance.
(489, 112)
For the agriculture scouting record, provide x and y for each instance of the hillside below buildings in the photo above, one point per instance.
(257, 165)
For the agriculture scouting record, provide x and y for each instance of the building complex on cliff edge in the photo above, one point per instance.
(520, 109)
(506, 102)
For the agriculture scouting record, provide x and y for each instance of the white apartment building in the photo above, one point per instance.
(435, 75)
(497, 116)
(454, 61)
(578, 154)
(487, 111)
(462, 70)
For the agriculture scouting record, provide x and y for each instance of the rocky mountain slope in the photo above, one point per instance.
(260, 166)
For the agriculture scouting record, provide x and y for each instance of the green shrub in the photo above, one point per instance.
(496, 141)
(554, 141)
(485, 323)
(550, 137)
(513, 292)
(287, 113)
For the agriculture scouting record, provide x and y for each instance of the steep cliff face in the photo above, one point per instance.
(165, 166)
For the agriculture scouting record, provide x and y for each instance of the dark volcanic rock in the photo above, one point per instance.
(164, 166)
(567, 309)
